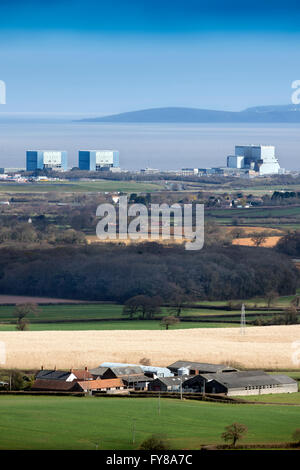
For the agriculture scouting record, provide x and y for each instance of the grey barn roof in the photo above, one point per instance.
(53, 374)
(119, 371)
(198, 366)
(247, 379)
(98, 371)
(136, 378)
(284, 379)
(161, 371)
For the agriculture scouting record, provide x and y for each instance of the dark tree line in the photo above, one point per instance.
(117, 273)
(290, 244)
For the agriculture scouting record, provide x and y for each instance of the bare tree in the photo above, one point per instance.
(271, 296)
(21, 312)
(169, 321)
(258, 239)
(296, 301)
(178, 301)
(145, 361)
(131, 307)
(234, 432)
(154, 442)
(296, 435)
(291, 315)
(145, 305)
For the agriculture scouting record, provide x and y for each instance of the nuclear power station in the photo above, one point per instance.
(259, 159)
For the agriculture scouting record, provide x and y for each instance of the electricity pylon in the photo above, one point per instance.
(243, 320)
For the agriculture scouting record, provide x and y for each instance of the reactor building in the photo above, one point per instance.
(98, 160)
(46, 159)
(259, 159)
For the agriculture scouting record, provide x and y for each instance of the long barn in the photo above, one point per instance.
(241, 383)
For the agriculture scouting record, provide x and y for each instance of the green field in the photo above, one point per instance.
(80, 186)
(294, 374)
(291, 398)
(117, 325)
(109, 316)
(283, 218)
(82, 423)
(67, 312)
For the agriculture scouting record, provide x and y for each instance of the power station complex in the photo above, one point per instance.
(248, 161)
(260, 159)
(90, 160)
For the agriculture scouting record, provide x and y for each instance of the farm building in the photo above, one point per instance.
(132, 376)
(167, 384)
(98, 372)
(77, 386)
(241, 383)
(53, 385)
(73, 374)
(56, 375)
(136, 382)
(150, 371)
(82, 374)
(101, 385)
(195, 368)
(112, 372)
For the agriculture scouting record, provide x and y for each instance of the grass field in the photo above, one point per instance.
(67, 312)
(82, 423)
(80, 186)
(84, 316)
(117, 325)
(291, 398)
(283, 218)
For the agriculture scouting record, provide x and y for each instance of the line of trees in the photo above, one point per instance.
(166, 275)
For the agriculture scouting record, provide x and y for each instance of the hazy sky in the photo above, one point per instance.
(103, 57)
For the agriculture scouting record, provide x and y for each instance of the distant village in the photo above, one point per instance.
(181, 376)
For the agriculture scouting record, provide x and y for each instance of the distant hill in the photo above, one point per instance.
(258, 114)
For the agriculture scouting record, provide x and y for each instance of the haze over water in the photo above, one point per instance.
(161, 146)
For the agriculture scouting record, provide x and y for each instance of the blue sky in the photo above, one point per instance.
(98, 57)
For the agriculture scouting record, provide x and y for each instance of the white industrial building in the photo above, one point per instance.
(97, 160)
(258, 158)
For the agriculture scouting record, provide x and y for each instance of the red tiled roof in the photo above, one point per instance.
(82, 374)
(100, 384)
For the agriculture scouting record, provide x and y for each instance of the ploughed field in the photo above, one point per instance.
(43, 422)
(267, 347)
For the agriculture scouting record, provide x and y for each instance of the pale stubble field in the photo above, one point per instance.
(260, 347)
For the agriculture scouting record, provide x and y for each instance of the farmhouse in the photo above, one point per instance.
(82, 374)
(195, 368)
(241, 383)
(167, 384)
